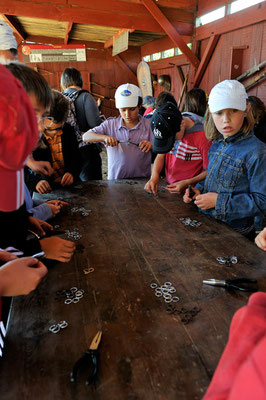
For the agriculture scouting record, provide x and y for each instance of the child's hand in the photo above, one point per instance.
(111, 141)
(58, 249)
(61, 203)
(5, 256)
(39, 226)
(187, 198)
(67, 179)
(177, 187)
(206, 201)
(56, 208)
(43, 187)
(152, 186)
(260, 240)
(145, 146)
(21, 276)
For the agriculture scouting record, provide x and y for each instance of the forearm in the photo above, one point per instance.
(93, 137)
(158, 166)
(197, 178)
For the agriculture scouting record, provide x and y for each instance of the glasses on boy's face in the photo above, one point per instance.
(45, 121)
(53, 129)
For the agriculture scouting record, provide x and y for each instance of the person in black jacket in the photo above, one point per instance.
(59, 146)
(87, 114)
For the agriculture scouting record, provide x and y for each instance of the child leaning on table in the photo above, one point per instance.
(128, 137)
(234, 190)
(59, 146)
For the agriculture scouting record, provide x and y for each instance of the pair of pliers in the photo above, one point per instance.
(243, 284)
(90, 360)
(128, 142)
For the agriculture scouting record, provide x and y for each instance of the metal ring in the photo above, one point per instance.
(172, 290)
(233, 259)
(153, 285)
(81, 291)
(168, 300)
(88, 270)
(75, 300)
(68, 301)
(167, 283)
(79, 294)
(62, 324)
(73, 289)
(167, 296)
(175, 299)
(158, 294)
(54, 328)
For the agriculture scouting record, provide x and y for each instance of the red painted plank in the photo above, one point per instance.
(171, 31)
(14, 24)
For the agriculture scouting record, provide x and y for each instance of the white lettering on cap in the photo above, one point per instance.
(157, 133)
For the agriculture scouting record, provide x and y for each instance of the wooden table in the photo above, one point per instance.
(131, 239)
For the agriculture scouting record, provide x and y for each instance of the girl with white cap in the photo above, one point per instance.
(234, 190)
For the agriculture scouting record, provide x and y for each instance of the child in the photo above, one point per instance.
(234, 190)
(186, 159)
(14, 220)
(127, 137)
(59, 146)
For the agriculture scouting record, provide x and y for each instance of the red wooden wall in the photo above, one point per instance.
(100, 68)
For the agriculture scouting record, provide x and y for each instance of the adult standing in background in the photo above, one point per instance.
(88, 117)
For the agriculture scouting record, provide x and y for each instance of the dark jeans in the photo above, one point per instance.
(91, 163)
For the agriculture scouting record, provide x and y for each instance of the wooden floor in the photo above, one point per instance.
(131, 239)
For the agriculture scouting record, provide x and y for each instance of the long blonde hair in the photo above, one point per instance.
(212, 132)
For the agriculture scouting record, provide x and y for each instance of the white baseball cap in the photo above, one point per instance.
(228, 94)
(127, 95)
(7, 39)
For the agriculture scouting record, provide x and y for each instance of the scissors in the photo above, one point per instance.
(89, 359)
(243, 284)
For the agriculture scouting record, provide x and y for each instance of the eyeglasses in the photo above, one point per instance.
(46, 121)
(54, 129)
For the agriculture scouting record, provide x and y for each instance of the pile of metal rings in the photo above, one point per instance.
(190, 222)
(73, 235)
(227, 260)
(56, 327)
(185, 315)
(165, 291)
(81, 210)
(73, 295)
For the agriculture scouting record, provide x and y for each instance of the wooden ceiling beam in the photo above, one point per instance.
(53, 40)
(161, 44)
(171, 31)
(83, 15)
(205, 59)
(68, 29)
(14, 24)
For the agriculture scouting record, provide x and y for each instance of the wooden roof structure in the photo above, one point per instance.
(95, 23)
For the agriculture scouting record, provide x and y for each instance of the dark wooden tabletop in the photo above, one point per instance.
(131, 239)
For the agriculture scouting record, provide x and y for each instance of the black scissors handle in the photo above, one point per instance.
(90, 360)
(237, 284)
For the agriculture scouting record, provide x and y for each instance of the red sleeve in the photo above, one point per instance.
(204, 146)
(241, 372)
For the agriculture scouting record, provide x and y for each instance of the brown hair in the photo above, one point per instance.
(33, 82)
(163, 98)
(212, 132)
(59, 107)
(257, 107)
(195, 101)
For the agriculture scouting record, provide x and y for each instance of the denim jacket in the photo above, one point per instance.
(237, 172)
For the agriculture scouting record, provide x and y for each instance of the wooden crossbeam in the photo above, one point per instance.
(15, 26)
(171, 31)
(68, 29)
(205, 59)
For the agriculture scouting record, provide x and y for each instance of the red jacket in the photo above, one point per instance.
(241, 372)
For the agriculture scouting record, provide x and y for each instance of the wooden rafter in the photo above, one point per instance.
(123, 65)
(171, 31)
(205, 59)
(68, 29)
(15, 26)
(111, 13)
